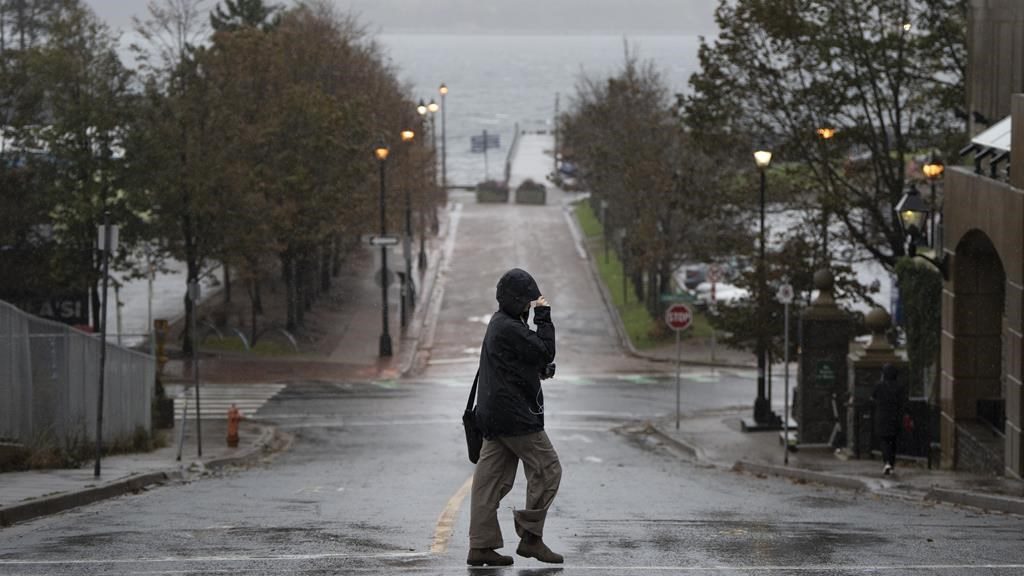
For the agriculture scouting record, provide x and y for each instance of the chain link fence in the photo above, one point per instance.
(49, 384)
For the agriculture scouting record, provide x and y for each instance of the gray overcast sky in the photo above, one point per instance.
(516, 16)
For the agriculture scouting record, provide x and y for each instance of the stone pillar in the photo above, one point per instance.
(825, 340)
(864, 372)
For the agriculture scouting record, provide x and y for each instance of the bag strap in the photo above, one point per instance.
(472, 393)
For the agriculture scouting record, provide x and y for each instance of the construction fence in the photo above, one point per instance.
(49, 384)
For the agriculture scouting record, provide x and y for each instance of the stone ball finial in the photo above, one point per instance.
(878, 321)
(824, 281)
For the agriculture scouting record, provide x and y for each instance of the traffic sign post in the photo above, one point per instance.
(678, 318)
(383, 240)
(785, 296)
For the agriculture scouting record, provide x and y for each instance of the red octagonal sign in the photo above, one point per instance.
(678, 317)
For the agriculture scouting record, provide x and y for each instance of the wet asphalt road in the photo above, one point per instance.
(373, 480)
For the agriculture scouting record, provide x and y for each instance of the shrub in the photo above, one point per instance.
(530, 192)
(491, 192)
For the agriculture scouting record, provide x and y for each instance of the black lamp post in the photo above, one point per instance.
(826, 134)
(421, 109)
(433, 107)
(444, 141)
(933, 171)
(913, 215)
(408, 292)
(762, 408)
(381, 152)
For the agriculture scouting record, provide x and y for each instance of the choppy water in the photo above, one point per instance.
(496, 81)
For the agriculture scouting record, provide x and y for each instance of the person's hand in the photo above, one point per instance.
(542, 301)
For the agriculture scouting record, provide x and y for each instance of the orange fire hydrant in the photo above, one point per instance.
(234, 417)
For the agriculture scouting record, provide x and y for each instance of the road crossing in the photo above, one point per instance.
(216, 399)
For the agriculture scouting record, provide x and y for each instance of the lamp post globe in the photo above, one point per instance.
(421, 108)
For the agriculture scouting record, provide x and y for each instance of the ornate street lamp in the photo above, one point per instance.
(381, 152)
(933, 171)
(762, 408)
(408, 289)
(444, 141)
(433, 107)
(913, 213)
(826, 133)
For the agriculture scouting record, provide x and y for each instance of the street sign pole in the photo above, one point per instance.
(194, 295)
(678, 318)
(785, 296)
(785, 409)
(679, 355)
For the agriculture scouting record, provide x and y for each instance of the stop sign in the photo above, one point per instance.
(678, 317)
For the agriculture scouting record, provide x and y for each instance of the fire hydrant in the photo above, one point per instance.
(234, 417)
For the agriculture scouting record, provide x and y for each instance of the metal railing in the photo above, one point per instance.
(49, 379)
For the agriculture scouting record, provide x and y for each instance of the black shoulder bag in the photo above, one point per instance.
(474, 440)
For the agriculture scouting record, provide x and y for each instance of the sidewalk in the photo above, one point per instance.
(28, 495)
(350, 322)
(719, 440)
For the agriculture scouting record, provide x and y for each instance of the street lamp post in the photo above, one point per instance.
(108, 237)
(432, 107)
(408, 289)
(421, 109)
(826, 134)
(933, 171)
(762, 408)
(381, 152)
(913, 214)
(444, 141)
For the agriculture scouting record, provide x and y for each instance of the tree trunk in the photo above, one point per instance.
(325, 268)
(299, 292)
(254, 301)
(288, 267)
(336, 264)
(227, 282)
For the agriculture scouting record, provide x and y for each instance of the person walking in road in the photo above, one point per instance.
(890, 398)
(510, 415)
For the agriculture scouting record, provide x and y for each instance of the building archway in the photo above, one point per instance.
(974, 405)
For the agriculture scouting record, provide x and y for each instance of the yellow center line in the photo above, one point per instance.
(446, 521)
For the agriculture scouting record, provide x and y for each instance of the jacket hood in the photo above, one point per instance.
(516, 290)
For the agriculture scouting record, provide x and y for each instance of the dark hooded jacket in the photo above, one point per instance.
(509, 397)
(890, 397)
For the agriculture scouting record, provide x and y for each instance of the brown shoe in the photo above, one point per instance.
(487, 557)
(534, 547)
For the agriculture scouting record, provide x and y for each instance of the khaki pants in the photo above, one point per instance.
(494, 476)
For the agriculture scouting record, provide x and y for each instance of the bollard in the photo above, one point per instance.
(234, 417)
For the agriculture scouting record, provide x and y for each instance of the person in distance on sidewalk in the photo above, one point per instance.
(889, 397)
(510, 415)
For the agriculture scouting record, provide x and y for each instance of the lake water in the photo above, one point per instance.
(497, 81)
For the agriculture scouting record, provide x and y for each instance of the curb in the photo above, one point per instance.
(613, 313)
(50, 505)
(432, 298)
(834, 480)
(691, 450)
(983, 501)
(61, 502)
(253, 453)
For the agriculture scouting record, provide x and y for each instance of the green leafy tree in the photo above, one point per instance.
(886, 74)
(238, 14)
(88, 102)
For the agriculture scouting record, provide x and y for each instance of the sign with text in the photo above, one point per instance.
(678, 317)
(70, 309)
